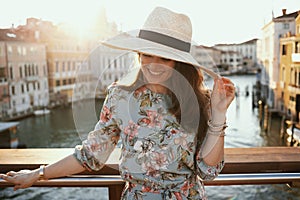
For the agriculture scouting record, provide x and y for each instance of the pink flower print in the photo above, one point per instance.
(138, 92)
(149, 189)
(159, 160)
(105, 115)
(155, 118)
(178, 195)
(131, 130)
(181, 140)
(174, 131)
(144, 121)
(149, 169)
(186, 187)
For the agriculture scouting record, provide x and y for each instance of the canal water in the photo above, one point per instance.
(59, 130)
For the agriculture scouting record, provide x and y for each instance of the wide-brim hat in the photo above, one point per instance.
(165, 34)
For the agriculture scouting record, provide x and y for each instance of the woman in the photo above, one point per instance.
(171, 128)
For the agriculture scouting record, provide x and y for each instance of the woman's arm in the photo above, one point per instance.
(26, 178)
(91, 155)
(211, 156)
(222, 96)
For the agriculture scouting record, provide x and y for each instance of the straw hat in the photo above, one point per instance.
(165, 34)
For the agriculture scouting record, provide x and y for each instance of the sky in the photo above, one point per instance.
(214, 21)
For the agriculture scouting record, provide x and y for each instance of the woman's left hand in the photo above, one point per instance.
(222, 95)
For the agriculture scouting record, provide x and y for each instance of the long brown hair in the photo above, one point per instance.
(195, 78)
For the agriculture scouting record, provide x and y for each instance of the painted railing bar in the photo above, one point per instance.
(222, 179)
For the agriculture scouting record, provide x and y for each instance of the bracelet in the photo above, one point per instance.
(42, 172)
(216, 127)
(217, 133)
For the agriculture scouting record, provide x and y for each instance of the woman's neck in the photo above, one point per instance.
(157, 88)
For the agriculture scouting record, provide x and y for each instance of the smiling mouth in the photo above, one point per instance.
(156, 73)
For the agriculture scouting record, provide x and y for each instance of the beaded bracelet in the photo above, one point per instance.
(215, 133)
(216, 127)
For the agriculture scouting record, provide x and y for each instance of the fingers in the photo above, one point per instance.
(11, 173)
(224, 85)
(18, 186)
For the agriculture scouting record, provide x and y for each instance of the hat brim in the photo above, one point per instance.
(126, 41)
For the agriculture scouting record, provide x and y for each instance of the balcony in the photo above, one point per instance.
(295, 57)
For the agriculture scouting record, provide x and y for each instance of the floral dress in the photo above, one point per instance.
(158, 159)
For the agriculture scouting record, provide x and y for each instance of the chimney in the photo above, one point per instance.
(283, 11)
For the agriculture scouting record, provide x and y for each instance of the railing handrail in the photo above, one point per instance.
(222, 179)
(259, 165)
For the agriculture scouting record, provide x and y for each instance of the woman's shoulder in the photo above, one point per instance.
(116, 89)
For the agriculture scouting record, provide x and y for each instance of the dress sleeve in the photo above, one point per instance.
(207, 172)
(95, 150)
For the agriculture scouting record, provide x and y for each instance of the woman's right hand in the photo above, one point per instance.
(21, 179)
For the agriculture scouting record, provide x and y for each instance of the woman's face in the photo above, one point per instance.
(156, 69)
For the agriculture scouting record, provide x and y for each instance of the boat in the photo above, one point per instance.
(8, 135)
(41, 112)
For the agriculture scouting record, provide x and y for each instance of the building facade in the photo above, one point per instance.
(4, 87)
(270, 55)
(289, 83)
(27, 77)
(242, 57)
(207, 56)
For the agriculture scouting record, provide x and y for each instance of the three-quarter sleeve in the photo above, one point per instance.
(95, 150)
(205, 171)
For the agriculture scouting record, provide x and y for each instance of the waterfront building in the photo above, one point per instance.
(109, 65)
(232, 60)
(24, 69)
(270, 56)
(4, 88)
(206, 56)
(65, 54)
(241, 56)
(290, 73)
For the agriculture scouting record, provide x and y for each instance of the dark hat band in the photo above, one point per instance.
(165, 40)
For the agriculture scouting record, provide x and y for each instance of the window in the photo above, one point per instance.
(36, 70)
(57, 66)
(9, 49)
(57, 83)
(64, 82)
(29, 70)
(19, 50)
(297, 47)
(69, 66)
(26, 71)
(21, 74)
(45, 70)
(291, 76)
(13, 90)
(286, 25)
(11, 72)
(2, 72)
(284, 49)
(22, 88)
(24, 51)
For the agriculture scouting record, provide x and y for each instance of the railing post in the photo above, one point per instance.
(115, 191)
